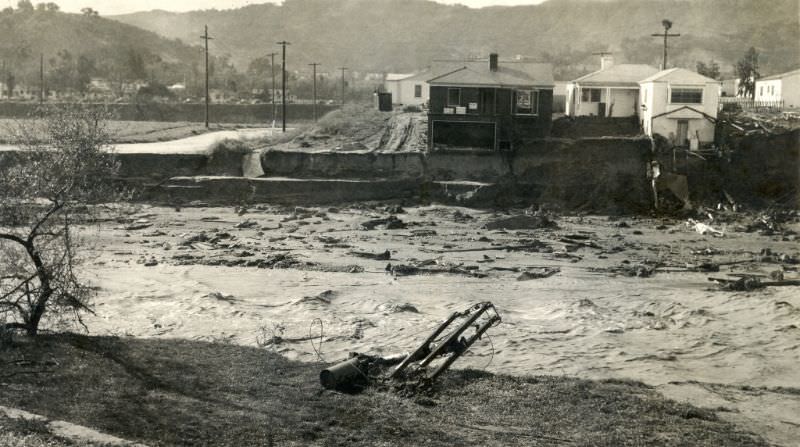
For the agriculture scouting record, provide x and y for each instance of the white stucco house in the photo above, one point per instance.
(612, 91)
(408, 89)
(730, 88)
(781, 87)
(680, 105)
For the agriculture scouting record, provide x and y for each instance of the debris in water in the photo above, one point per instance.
(522, 222)
(385, 256)
(703, 228)
(750, 282)
(389, 223)
(538, 273)
(247, 223)
(415, 370)
(397, 308)
(324, 297)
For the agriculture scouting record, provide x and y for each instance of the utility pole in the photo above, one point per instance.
(667, 25)
(343, 70)
(206, 38)
(41, 78)
(272, 69)
(314, 64)
(283, 43)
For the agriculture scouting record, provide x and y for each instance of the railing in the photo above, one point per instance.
(749, 105)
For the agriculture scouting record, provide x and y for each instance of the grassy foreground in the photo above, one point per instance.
(177, 392)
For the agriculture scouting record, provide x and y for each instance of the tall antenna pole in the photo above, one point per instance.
(206, 39)
(283, 44)
(272, 69)
(667, 25)
(343, 70)
(315, 89)
(41, 78)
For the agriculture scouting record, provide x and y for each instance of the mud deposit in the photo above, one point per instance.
(590, 296)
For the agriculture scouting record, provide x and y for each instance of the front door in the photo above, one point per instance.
(682, 136)
(487, 101)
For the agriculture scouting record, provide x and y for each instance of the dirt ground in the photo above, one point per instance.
(357, 128)
(139, 131)
(592, 297)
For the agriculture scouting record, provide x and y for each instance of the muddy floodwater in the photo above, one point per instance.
(591, 296)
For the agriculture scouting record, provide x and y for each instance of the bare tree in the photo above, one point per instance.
(63, 166)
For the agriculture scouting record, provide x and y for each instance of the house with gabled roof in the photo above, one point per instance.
(612, 91)
(680, 105)
(490, 104)
(781, 87)
(408, 89)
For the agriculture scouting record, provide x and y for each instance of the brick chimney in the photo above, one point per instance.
(493, 62)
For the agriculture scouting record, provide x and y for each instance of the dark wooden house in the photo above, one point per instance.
(492, 105)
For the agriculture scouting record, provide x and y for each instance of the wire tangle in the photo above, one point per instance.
(318, 347)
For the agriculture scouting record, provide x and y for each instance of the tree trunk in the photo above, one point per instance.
(40, 303)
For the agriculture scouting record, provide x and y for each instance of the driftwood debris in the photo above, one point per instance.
(421, 366)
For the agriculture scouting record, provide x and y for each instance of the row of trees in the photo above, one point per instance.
(746, 70)
(25, 6)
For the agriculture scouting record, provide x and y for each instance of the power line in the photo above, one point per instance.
(315, 64)
(206, 38)
(272, 70)
(343, 70)
(283, 44)
(41, 78)
(667, 25)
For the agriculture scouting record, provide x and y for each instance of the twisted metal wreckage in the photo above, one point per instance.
(421, 366)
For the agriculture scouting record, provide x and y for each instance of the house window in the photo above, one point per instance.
(684, 95)
(418, 91)
(590, 95)
(761, 91)
(454, 97)
(526, 102)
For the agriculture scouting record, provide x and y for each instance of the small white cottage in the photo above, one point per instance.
(612, 91)
(680, 105)
(782, 87)
(408, 89)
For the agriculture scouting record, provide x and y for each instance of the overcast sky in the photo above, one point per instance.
(111, 7)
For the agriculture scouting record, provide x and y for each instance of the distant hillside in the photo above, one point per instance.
(77, 47)
(402, 35)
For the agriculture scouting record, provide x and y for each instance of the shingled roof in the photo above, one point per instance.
(508, 74)
(780, 76)
(678, 76)
(618, 75)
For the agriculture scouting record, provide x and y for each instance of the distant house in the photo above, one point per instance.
(730, 87)
(217, 96)
(278, 95)
(612, 91)
(490, 104)
(24, 92)
(781, 87)
(408, 89)
(680, 105)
